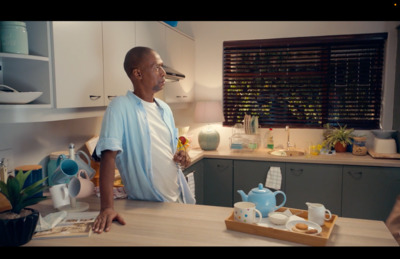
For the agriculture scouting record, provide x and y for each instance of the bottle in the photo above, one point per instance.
(270, 139)
(72, 151)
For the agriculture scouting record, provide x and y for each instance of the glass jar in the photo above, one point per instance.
(359, 148)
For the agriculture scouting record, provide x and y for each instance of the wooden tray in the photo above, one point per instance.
(313, 240)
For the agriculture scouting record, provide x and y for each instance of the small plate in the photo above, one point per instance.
(311, 225)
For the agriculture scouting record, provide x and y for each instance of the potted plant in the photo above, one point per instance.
(338, 138)
(17, 222)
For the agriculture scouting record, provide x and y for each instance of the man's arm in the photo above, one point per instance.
(107, 175)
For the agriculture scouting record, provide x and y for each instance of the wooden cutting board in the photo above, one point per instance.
(380, 155)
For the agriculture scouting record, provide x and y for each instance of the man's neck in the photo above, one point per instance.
(144, 96)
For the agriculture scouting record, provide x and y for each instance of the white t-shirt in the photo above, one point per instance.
(165, 176)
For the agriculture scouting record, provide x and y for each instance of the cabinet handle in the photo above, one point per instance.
(221, 167)
(110, 97)
(355, 175)
(94, 97)
(296, 172)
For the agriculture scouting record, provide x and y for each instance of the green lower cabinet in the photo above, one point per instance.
(314, 183)
(248, 174)
(369, 192)
(218, 179)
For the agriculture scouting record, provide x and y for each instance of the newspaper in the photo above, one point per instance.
(75, 224)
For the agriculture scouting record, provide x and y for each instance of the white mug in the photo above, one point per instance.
(318, 213)
(245, 212)
(59, 195)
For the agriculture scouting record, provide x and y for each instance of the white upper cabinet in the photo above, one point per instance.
(152, 35)
(176, 51)
(78, 64)
(181, 55)
(118, 39)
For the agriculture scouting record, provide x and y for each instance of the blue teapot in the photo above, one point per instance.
(264, 199)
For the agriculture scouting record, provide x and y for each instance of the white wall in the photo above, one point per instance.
(31, 143)
(209, 37)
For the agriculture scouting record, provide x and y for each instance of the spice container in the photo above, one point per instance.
(359, 148)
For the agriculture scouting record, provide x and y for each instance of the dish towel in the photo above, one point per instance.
(274, 178)
(190, 180)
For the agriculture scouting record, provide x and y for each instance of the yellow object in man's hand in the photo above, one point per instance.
(183, 143)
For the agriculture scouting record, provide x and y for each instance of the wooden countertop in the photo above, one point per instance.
(173, 224)
(261, 154)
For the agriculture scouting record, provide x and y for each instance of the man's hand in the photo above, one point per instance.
(183, 158)
(105, 219)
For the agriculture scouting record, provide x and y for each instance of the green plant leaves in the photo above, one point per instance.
(19, 197)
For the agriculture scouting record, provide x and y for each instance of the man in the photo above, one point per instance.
(138, 134)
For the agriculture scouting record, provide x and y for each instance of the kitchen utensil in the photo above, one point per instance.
(9, 95)
(84, 165)
(385, 146)
(384, 134)
(59, 195)
(310, 225)
(35, 175)
(66, 169)
(80, 186)
(318, 213)
(13, 37)
(245, 212)
(278, 218)
(263, 198)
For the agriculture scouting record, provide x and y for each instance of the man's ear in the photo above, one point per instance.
(137, 73)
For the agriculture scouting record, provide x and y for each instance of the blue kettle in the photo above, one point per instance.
(264, 199)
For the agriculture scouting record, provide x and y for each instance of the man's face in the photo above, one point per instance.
(153, 75)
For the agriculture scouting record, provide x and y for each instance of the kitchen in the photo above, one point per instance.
(31, 142)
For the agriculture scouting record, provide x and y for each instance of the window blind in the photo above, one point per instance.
(305, 82)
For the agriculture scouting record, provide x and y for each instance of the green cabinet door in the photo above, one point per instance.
(369, 192)
(218, 179)
(314, 183)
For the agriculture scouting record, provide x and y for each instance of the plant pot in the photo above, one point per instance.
(19, 231)
(339, 147)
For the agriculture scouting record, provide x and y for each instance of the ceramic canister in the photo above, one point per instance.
(35, 175)
(13, 37)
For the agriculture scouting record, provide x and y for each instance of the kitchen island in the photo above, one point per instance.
(173, 224)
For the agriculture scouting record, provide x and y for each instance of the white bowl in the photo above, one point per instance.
(278, 218)
(18, 97)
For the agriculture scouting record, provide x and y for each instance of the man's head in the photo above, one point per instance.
(144, 67)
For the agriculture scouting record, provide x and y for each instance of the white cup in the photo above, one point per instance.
(245, 212)
(318, 213)
(59, 195)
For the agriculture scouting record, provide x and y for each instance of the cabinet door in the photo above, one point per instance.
(218, 179)
(314, 183)
(369, 192)
(118, 39)
(198, 172)
(248, 174)
(179, 56)
(78, 64)
(152, 35)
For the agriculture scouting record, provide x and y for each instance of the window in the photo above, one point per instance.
(305, 82)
